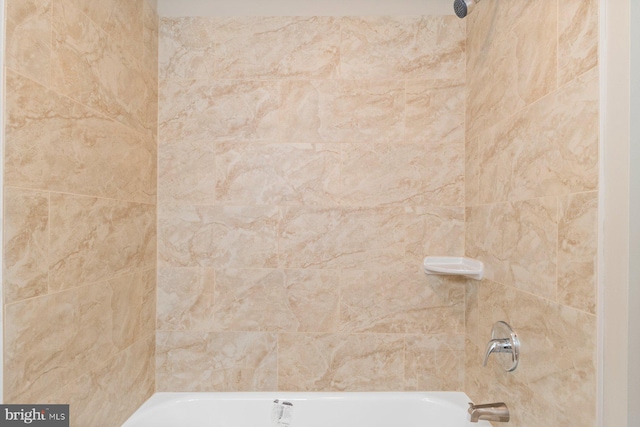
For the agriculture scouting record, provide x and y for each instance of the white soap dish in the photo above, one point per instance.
(460, 266)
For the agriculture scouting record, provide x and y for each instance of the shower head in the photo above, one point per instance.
(464, 7)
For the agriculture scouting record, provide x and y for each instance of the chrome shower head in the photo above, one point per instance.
(464, 7)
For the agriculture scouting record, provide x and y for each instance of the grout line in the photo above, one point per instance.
(130, 272)
(77, 195)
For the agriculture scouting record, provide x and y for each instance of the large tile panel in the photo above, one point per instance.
(227, 361)
(150, 37)
(410, 47)
(186, 48)
(133, 304)
(396, 302)
(577, 38)
(277, 47)
(56, 144)
(435, 111)
(578, 251)
(219, 110)
(218, 236)
(277, 300)
(434, 362)
(518, 243)
(26, 244)
(367, 238)
(125, 381)
(343, 111)
(340, 362)
(28, 38)
(276, 174)
(185, 299)
(96, 239)
(121, 19)
(52, 339)
(549, 148)
(187, 172)
(511, 59)
(94, 69)
(403, 175)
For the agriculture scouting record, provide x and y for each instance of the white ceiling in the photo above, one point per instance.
(303, 7)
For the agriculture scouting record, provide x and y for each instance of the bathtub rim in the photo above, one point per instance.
(453, 400)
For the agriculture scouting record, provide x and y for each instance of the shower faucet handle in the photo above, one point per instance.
(502, 345)
(503, 340)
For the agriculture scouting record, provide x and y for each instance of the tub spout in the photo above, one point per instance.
(489, 412)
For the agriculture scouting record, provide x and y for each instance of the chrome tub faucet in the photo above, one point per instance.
(489, 412)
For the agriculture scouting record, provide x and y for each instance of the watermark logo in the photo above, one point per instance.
(34, 415)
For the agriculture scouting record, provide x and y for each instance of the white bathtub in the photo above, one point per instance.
(282, 409)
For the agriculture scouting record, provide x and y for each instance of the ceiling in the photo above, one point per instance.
(303, 7)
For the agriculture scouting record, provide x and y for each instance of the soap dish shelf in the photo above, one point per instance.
(459, 266)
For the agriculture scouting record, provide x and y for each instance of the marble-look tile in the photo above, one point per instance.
(366, 238)
(340, 362)
(577, 38)
(277, 47)
(218, 236)
(276, 300)
(475, 377)
(403, 175)
(227, 361)
(315, 292)
(435, 111)
(148, 112)
(557, 371)
(385, 47)
(108, 395)
(472, 172)
(186, 48)
(95, 239)
(59, 145)
(93, 69)
(150, 37)
(219, 110)
(578, 251)
(133, 305)
(517, 243)
(185, 299)
(434, 362)
(149, 66)
(28, 38)
(343, 111)
(121, 19)
(511, 59)
(26, 244)
(186, 172)
(550, 148)
(400, 302)
(276, 174)
(471, 312)
(52, 339)
(444, 232)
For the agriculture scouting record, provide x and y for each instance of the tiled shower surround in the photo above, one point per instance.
(80, 206)
(531, 181)
(305, 167)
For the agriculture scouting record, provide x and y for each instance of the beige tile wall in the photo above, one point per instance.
(306, 167)
(532, 201)
(80, 206)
